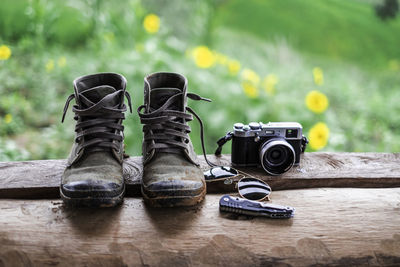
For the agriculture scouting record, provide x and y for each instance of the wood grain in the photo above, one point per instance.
(40, 179)
(332, 226)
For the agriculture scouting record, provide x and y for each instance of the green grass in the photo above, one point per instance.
(340, 30)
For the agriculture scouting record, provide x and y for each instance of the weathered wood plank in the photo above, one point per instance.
(332, 226)
(40, 179)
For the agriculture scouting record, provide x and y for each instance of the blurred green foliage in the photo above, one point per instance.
(341, 30)
(54, 41)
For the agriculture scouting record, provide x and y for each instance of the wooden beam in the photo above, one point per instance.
(332, 226)
(40, 179)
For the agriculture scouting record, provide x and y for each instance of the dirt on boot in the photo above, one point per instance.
(171, 174)
(93, 176)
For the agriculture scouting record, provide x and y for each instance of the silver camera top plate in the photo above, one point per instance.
(258, 129)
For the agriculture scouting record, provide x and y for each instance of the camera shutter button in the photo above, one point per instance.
(254, 125)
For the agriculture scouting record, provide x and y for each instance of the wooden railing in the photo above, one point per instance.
(41, 179)
(357, 224)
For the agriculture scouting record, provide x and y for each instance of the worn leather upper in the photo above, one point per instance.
(158, 89)
(96, 156)
(170, 163)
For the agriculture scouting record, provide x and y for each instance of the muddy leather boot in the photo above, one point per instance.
(171, 173)
(93, 176)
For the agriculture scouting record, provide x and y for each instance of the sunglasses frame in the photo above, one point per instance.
(266, 198)
(242, 175)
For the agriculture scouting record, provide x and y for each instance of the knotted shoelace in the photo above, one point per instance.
(167, 128)
(99, 125)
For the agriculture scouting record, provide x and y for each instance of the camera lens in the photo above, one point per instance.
(277, 156)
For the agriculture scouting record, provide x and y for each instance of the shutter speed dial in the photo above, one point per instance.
(254, 125)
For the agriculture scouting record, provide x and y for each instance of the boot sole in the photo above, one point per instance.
(173, 201)
(93, 202)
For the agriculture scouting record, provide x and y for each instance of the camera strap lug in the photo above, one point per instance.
(222, 142)
(304, 142)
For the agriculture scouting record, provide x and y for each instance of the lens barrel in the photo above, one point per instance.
(277, 156)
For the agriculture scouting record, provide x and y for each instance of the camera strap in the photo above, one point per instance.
(222, 142)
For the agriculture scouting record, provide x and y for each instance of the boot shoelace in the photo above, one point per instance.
(100, 124)
(167, 128)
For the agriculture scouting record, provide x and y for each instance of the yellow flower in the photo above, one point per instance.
(233, 66)
(318, 76)
(251, 76)
(49, 65)
(394, 65)
(8, 118)
(5, 52)
(62, 62)
(269, 83)
(203, 57)
(317, 102)
(319, 135)
(151, 23)
(249, 89)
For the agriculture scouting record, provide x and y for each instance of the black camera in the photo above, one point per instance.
(275, 146)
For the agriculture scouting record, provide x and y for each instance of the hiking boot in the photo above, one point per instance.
(171, 172)
(93, 176)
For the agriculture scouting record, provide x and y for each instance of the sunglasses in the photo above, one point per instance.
(249, 187)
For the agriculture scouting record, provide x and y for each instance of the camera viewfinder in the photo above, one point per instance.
(291, 133)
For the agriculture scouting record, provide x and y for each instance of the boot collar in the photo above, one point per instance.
(115, 80)
(169, 80)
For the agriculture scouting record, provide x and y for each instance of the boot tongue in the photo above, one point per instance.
(97, 93)
(158, 96)
(103, 93)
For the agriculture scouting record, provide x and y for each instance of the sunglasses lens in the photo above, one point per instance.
(220, 172)
(253, 189)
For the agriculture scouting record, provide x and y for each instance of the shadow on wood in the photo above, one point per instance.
(332, 226)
